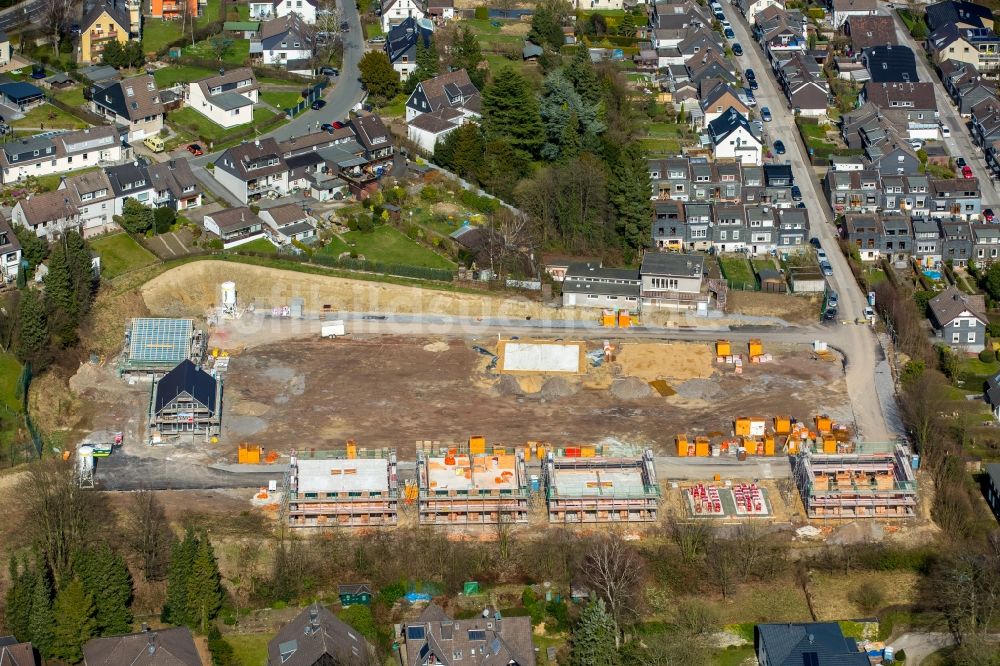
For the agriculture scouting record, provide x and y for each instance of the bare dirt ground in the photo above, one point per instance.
(795, 309)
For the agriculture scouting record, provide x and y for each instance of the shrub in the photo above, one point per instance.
(868, 597)
(987, 355)
(214, 244)
(255, 209)
(210, 166)
(430, 193)
(482, 13)
(816, 13)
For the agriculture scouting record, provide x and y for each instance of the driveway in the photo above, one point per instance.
(867, 370)
(960, 142)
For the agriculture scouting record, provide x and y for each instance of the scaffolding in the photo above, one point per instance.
(333, 489)
(601, 490)
(876, 480)
(469, 489)
(155, 345)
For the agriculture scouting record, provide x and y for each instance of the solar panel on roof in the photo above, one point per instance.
(166, 341)
(477, 635)
(415, 633)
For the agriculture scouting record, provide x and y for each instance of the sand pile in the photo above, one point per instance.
(700, 389)
(437, 347)
(508, 386)
(672, 360)
(530, 383)
(557, 387)
(631, 388)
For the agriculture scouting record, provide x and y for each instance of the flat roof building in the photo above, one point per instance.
(459, 488)
(155, 344)
(334, 490)
(601, 490)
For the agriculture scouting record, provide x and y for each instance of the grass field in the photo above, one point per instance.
(157, 33)
(389, 246)
(10, 370)
(120, 254)
(206, 130)
(51, 182)
(71, 96)
(281, 100)
(49, 117)
(168, 76)
(249, 649)
(238, 52)
(259, 245)
(737, 271)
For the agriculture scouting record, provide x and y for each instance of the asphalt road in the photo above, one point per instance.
(865, 360)
(20, 14)
(960, 142)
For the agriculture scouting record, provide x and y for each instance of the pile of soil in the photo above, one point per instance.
(557, 387)
(437, 347)
(670, 360)
(699, 389)
(508, 386)
(631, 388)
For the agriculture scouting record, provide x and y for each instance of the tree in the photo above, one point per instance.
(133, 55)
(74, 622)
(613, 568)
(107, 580)
(691, 537)
(40, 621)
(33, 248)
(594, 641)
(510, 111)
(547, 22)
(164, 217)
(147, 533)
(136, 218)
(868, 596)
(182, 556)
(378, 77)
(54, 14)
(628, 193)
(204, 589)
(18, 597)
(221, 47)
(966, 588)
(79, 260)
(627, 26)
(32, 331)
(466, 54)
(113, 54)
(561, 104)
(427, 64)
(462, 151)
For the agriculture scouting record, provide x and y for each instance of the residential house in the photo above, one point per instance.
(591, 285)
(866, 31)
(21, 95)
(93, 196)
(863, 232)
(976, 46)
(488, 639)
(804, 85)
(844, 9)
(318, 637)
(966, 86)
(226, 99)
(729, 233)
(271, 9)
(698, 220)
(106, 21)
(959, 13)
(173, 646)
(796, 644)
(793, 230)
(285, 42)
(174, 9)
(986, 122)
(780, 33)
(187, 400)
(48, 215)
(890, 62)
(174, 185)
(959, 319)
(957, 197)
(439, 105)
(401, 46)
(956, 242)
(441, 10)
(14, 653)
(42, 156)
(926, 242)
(355, 594)
(130, 181)
(733, 139)
(750, 8)
(993, 469)
(910, 106)
(853, 191)
(719, 99)
(10, 258)
(132, 104)
(375, 140)
(986, 243)
(252, 170)
(235, 226)
(672, 280)
(395, 12)
(669, 226)
(287, 223)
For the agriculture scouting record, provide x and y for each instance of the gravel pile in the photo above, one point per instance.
(631, 388)
(556, 387)
(700, 389)
(508, 386)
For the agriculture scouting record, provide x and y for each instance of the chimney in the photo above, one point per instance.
(145, 627)
(222, 71)
(151, 643)
(314, 617)
(812, 639)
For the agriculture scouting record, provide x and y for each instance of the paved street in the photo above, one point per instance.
(960, 142)
(857, 342)
(20, 14)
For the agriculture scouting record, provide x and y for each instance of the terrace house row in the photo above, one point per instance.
(929, 241)
(966, 85)
(757, 230)
(696, 179)
(41, 156)
(867, 191)
(780, 34)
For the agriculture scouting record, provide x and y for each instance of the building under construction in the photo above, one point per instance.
(327, 489)
(155, 345)
(472, 489)
(858, 481)
(601, 490)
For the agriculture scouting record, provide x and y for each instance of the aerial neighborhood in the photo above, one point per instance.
(529, 333)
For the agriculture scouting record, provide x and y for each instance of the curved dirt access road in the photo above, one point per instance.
(864, 359)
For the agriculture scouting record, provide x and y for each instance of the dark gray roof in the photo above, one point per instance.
(951, 303)
(968, 13)
(728, 123)
(572, 286)
(497, 641)
(314, 633)
(186, 378)
(164, 647)
(670, 263)
(355, 588)
(809, 644)
(993, 471)
(228, 101)
(891, 62)
(594, 271)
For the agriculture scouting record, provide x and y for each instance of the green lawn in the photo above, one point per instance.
(737, 271)
(249, 649)
(71, 96)
(762, 264)
(498, 62)
(260, 245)
(389, 246)
(168, 76)
(732, 656)
(157, 33)
(395, 108)
(49, 117)
(237, 55)
(281, 100)
(372, 29)
(661, 146)
(10, 371)
(51, 182)
(193, 122)
(120, 254)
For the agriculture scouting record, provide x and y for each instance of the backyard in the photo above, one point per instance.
(281, 100)
(71, 96)
(46, 117)
(51, 181)
(815, 136)
(665, 138)
(157, 33)
(387, 245)
(204, 129)
(236, 55)
(738, 272)
(120, 254)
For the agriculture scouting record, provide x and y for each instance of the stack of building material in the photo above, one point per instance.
(706, 500)
(749, 499)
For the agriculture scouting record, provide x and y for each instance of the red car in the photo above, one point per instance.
(967, 171)
(195, 150)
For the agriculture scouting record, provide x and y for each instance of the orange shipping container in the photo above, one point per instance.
(723, 348)
(624, 319)
(742, 426)
(769, 445)
(588, 452)
(823, 424)
(782, 425)
(477, 445)
(682, 445)
(829, 444)
(701, 447)
(755, 348)
(608, 319)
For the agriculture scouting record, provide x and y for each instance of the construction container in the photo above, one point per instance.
(792, 444)
(723, 348)
(572, 452)
(757, 426)
(477, 445)
(352, 449)
(829, 444)
(541, 451)
(624, 319)
(755, 348)
(742, 427)
(588, 452)
(608, 319)
(499, 450)
(249, 455)
(824, 424)
(682, 445)
(769, 445)
(701, 447)
(782, 425)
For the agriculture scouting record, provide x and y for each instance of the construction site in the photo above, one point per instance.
(855, 480)
(472, 488)
(600, 490)
(155, 345)
(342, 489)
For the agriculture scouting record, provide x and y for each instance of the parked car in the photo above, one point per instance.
(318, 104)
(729, 33)
(327, 127)
(75, 29)
(826, 268)
(337, 124)
(832, 300)
(779, 147)
(726, 24)
(378, 39)
(830, 314)
(814, 242)
(328, 71)
(967, 171)
(916, 143)
(802, 204)
(737, 49)
(749, 75)
(988, 214)
(796, 193)
(195, 149)
(820, 253)
(719, 15)
(870, 314)
(765, 114)
(345, 26)
(753, 84)
(945, 131)
(960, 162)
(757, 127)
(751, 100)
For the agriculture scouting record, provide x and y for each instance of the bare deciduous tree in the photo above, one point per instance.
(614, 570)
(148, 533)
(691, 537)
(54, 14)
(967, 587)
(509, 241)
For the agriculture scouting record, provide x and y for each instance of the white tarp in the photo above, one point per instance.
(531, 357)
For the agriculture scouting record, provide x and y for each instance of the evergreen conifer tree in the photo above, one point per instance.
(593, 642)
(107, 580)
(41, 620)
(204, 589)
(178, 573)
(74, 622)
(18, 597)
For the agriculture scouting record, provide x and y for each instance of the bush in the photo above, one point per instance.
(987, 355)
(222, 651)
(868, 597)
(482, 13)
(430, 193)
(214, 244)
(815, 13)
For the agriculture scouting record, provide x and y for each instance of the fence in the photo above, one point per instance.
(419, 272)
(86, 116)
(315, 92)
(24, 444)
